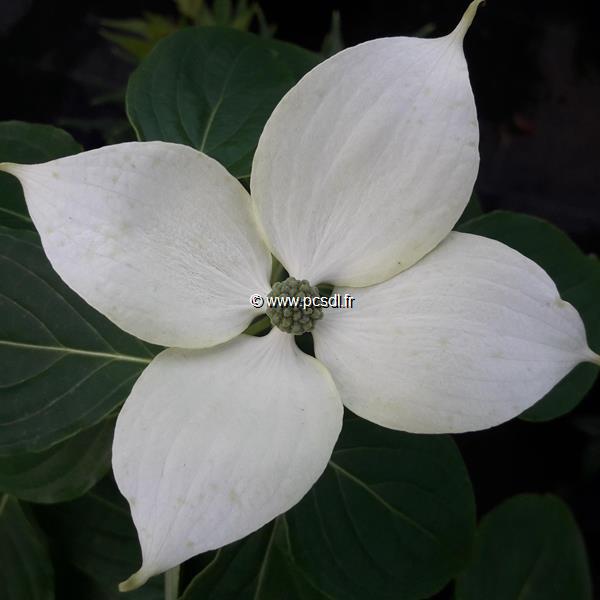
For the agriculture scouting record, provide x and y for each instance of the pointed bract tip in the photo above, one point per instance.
(8, 167)
(594, 358)
(467, 19)
(134, 582)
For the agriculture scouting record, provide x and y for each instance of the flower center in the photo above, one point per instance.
(291, 306)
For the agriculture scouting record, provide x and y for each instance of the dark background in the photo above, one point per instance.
(535, 68)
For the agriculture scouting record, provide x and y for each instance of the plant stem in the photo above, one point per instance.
(172, 583)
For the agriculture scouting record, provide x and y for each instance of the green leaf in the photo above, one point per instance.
(27, 143)
(64, 471)
(64, 366)
(393, 516)
(103, 544)
(298, 60)
(577, 278)
(25, 569)
(257, 568)
(527, 548)
(213, 89)
(472, 210)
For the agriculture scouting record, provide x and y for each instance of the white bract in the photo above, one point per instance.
(360, 174)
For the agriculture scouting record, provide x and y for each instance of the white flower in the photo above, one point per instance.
(359, 176)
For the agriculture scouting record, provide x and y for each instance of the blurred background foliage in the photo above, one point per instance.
(137, 36)
(534, 68)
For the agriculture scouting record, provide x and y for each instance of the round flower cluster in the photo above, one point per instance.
(291, 314)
